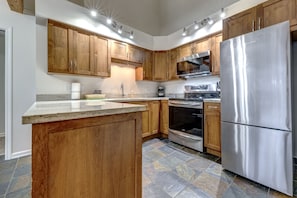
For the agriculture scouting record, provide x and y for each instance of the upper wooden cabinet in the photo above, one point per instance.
(160, 66)
(201, 45)
(75, 51)
(100, 57)
(79, 52)
(263, 15)
(239, 24)
(135, 54)
(124, 52)
(184, 51)
(276, 11)
(172, 61)
(58, 49)
(119, 50)
(215, 54)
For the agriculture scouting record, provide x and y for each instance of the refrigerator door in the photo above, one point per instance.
(260, 154)
(255, 78)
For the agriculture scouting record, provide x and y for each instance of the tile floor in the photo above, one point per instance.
(169, 170)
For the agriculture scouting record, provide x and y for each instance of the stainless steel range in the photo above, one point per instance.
(186, 117)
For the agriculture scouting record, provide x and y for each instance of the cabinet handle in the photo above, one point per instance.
(259, 23)
(71, 66)
(253, 25)
(74, 63)
(212, 107)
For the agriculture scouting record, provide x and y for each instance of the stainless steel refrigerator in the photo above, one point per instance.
(256, 107)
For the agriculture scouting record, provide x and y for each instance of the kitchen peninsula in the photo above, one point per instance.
(85, 149)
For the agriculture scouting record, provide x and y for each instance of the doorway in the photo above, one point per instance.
(2, 93)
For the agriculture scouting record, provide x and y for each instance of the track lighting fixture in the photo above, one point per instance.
(223, 14)
(210, 21)
(196, 25)
(120, 30)
(131, 35)
(184, 32)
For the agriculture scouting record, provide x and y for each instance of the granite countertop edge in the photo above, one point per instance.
(52, 111)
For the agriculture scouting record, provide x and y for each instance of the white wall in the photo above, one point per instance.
(2, 83)
(23, 73)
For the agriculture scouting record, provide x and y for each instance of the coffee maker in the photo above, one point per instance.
(161, 91)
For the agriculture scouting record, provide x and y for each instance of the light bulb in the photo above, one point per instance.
(184, 32)
(93, 13)
(223, 14)
(210, 21)
(131, 35)
(196, 25)
(120, 31)
(109, 21)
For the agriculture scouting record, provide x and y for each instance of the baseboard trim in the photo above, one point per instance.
(21, 154)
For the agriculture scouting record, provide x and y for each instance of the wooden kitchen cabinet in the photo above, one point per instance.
(184, 51)
(154, 107)
(135, 54)
(100, 56)
(239, 24)
(119, 50)
(172, 64)
(263, 15)
(79, 52)
(75, 51)
(276, 11)
(212, 128)
(164, 117)
(144, 72)
(160, 66)
(58, 49)
(215, 54)
(201, 45)
(150, 117)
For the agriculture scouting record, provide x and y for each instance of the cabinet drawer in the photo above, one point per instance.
(212, 106)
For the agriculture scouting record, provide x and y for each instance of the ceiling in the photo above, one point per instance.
(156, 17)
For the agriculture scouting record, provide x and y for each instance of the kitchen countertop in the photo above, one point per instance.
(135, 99)
(41, 112)
(216, 100)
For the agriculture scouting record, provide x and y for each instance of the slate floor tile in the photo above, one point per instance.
(20, 183)
(153, 191)
(24, 193)
(275, 194)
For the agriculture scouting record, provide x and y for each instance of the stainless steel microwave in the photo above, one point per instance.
(196, 64)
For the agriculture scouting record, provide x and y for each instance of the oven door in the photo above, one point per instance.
(186, 126)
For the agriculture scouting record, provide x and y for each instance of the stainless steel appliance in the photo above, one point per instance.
(256, 107)
(186, 117)
(194, 65)
(161, 91)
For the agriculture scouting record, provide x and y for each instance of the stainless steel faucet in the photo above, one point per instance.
(122, 88)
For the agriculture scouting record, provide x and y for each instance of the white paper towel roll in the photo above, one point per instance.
(75, 90)
(75, 87)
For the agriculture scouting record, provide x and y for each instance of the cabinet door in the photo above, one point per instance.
(183, 51)
(79, 52)
(239, 24)
(172, 59)
(148, 65)
(58, 49)
(119, 50)
(212, 128)
(160, 67)
(215, 54)
(100, 56)
(201, 45)
(276, 11)
(154, 107)
(164, 117)
(135, 54)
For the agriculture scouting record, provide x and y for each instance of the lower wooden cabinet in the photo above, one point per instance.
(212, 128)
(150, 117)
(164, 117)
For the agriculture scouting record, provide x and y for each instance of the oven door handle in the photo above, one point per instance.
(197, 115)
(185, 136)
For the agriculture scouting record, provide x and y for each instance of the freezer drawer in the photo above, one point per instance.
(260, 154)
